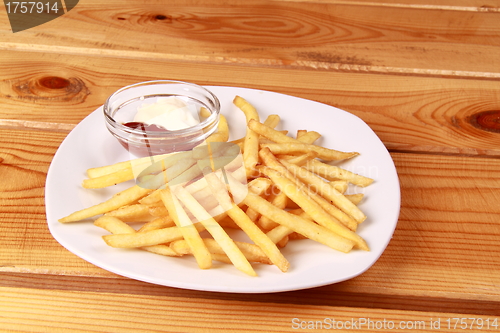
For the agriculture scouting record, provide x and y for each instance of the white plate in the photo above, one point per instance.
(311, 264)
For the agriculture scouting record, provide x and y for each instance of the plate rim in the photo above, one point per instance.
(181, 284)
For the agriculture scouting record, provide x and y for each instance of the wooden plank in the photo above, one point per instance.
(324, 296)
(423, 114)
(26, 309)
(448, 224)
(24, 161)
(463, 5)
(355, 38)
(447, 230)
(31, 125)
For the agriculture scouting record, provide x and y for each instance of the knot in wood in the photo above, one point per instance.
(161, 17)
(486, 120)
(53, 88)
(54, 82)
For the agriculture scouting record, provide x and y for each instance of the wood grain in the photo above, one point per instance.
(333, 295)
(469, 5)
(448, 225)
(102, 312)
(447, 229)
(25, 241)
(419, 115)
(425, 75)
(330, 36)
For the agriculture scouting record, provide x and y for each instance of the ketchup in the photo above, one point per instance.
(145, 127)
(145, 144)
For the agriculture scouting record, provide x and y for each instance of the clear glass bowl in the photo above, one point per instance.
(122, 106)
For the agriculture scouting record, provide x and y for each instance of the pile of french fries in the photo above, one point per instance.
(273, 187)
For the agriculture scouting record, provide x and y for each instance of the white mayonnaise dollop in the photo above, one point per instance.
(171, 113)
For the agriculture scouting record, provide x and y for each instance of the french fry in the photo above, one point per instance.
(147, 238)
(251, 143)
(245, 223)
(151, 198)
(295, 235)
(161, 249)
(278, 233)
(300, 133)
(312, 208)
(340, 185)
(252, 214)
(108, 169)
(217, 212)
(333, 172)
(222, 238)
(292, 145)
(176, 173)
(204, 113)
(299, 159)
(269, 132)
(283, 242)
(308, 136)
(270, 160)
(240, 174)
(264, 140)
(187, 176)
(116, 226)
(258, 185)
(272, 120)
(138, 163)
(188, 230)
(157, 211)
(326, 154)
(227, 222)
(132, 213)
(250, 152)
(207, 150)
(112, 168)
(182, 248)
(276, 214)
(207, 200)
(114, 178)
(202, 194)
(238, 141)
(327, 191)
(120, 199)
(241, 144)
(222, 134)
(307, 228)
(222, 129)
(171, 166)
(300, 212)
(247, 108)
(157, 223)
(279, 200)
(252, 252)
(355, 198)
(238, 171)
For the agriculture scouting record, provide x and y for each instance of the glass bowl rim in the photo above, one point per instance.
(211, 120)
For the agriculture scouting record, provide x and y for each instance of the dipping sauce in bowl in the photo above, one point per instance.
(159, 117)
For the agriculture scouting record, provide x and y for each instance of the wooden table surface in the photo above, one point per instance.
(424, 75)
